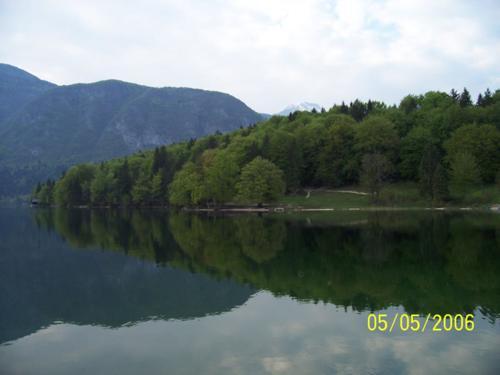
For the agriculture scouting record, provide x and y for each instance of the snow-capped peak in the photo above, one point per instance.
(304, 106)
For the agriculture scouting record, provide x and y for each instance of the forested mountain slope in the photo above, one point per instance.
(17, 88)
(91, 122)
(445, 142)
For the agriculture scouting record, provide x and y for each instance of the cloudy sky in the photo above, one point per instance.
(267, 53)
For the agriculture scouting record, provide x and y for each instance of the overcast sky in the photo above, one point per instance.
(267, 53)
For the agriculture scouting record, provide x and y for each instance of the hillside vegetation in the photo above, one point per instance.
(49, 128)
(445, 143)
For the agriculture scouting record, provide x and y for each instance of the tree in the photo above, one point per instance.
(412, 149)
(74, 188)
(487, 98)
(480, 100)
(220, 178)
(440, 190)
(377, 135)
(464, 173)
(260, 181)
(187, 186)
(408, 104)
(159, 159)
(465, 99)
(375, 169)
(141, 191)
(344, 109)
(358, 110)
(455, 95)
(286, 153)
(336, 157)
(102, 187)
(428, 163)
(123, 180)
(158, 192)
(44, 192)
(482, 142)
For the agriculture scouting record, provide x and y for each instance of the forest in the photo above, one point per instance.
(447, 144)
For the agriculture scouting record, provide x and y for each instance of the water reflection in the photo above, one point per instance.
(44, 280)
(88, 291)
(425, 262)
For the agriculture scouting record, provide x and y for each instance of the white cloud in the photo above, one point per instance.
(267, 53)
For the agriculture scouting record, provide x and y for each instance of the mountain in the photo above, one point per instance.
(52, 129)
(17, 88)
(304, 106)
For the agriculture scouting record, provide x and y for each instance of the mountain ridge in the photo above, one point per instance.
(48, 130)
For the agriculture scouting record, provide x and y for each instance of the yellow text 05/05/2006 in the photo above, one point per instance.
(381, 322)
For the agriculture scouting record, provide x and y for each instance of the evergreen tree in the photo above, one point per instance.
(357, 110)
(487, 98)
(479, 101)
(465, 99)
(344, 109)
(369, 107)
(158, 191)
(123, 180)
(159, 159)
(455, 95)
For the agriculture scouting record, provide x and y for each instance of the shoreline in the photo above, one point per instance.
(493, 208)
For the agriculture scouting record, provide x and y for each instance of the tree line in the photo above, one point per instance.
(442, 141)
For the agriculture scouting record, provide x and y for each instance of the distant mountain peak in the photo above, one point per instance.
(304, 106)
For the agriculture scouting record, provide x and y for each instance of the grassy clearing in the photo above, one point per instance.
(326, 199)
(393, 195)
(481, 196)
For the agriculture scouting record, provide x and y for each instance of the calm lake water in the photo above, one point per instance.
(153, 292)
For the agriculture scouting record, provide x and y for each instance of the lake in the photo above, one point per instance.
(156, 292)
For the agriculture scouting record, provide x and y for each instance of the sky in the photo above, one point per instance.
(267, 53)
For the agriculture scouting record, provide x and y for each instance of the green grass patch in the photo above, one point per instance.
(483, 195)
(404, 195)
(325, 199)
